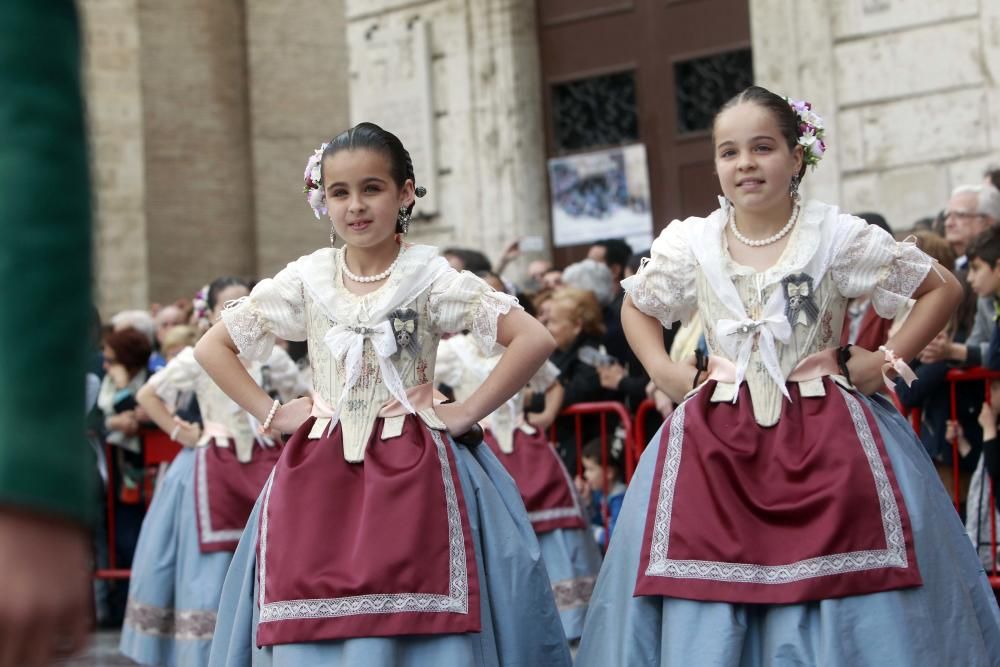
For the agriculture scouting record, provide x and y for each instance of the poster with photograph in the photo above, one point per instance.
(600, 195)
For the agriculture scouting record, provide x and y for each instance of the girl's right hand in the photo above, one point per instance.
(291, 415)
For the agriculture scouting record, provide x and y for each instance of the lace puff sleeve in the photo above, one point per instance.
(181, 374)
(873, 263)
(275, 308)
(664, 287)
(463, 302)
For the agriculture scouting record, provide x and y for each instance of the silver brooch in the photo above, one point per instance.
(800, 299)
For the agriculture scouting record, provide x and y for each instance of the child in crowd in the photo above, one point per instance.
(379, 540)
(598, 480)
(201, 506)
(785, 513)
(520, 441)
(983, 255)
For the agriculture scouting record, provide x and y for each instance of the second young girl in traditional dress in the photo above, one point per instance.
(378, 540)
(784, 515)
(200, 508)
(521, 444)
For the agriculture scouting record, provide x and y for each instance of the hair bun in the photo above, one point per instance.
(420, 191)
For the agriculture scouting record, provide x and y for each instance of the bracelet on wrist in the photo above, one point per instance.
(173, 434)
(266, 426)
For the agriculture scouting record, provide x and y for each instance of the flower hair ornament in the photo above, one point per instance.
(811, 131)
(200, 303)
(313, 188)
(313, 178)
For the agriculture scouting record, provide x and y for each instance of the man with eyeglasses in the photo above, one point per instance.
(971, 210)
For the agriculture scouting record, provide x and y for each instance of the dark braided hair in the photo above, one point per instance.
(372, 137)
(781, 110)
(219, 284)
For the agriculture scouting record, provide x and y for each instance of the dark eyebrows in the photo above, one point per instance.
(759, 137)
(367, 179)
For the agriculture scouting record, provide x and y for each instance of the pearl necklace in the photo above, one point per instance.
(370, 279)
(770, 239)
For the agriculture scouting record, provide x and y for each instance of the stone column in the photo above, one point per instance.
(115, 124)
(199, 170)
(297, 54)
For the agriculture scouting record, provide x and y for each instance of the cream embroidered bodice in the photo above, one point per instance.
(690, 270)
(462, 366)
(365, 351)
(184, 373)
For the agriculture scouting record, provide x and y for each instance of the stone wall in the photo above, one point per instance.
(201, 118)
(199, 186)
(115, 122)
(910, 90)
(471, 70)
(297, 55)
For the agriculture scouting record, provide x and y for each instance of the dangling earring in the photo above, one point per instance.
(403, 220)
(333, 234)
(793, 189)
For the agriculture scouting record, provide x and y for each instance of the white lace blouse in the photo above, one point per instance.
(777, 317)
(463, 366)
(183, 373)
(365, 351)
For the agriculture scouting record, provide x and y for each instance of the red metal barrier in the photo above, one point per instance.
(641, 438)
(603, 409)
(157, 448)
(954, 377)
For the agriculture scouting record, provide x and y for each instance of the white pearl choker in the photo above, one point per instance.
(780, 234)
(370, 279)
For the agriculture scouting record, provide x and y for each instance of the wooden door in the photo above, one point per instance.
(617, 72)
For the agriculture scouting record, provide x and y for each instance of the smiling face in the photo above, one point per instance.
(753, 160)
(362, 198)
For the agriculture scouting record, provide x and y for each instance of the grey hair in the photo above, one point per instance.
(592, 276)
(140, 320)
(987, 199)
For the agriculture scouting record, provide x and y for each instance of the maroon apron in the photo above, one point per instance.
(807, 509)
(372, 549)
(542, 480)
(225, 491)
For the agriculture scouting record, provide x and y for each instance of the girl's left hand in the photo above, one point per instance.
(866, 370)
(455, 418)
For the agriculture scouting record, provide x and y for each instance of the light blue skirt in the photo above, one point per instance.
(175, 588)
(572, 560)
(520, 623)
(951, 620)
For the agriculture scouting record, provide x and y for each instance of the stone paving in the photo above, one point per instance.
(102, 652)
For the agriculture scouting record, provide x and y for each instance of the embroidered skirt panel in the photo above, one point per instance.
(377, 548)
(808, 509)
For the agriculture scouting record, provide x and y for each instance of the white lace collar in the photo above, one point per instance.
(321, 276)
(803, 243)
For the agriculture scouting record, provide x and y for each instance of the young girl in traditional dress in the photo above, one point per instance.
(784, 515)
(521, 444)
(378, 540)
(199, 510)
